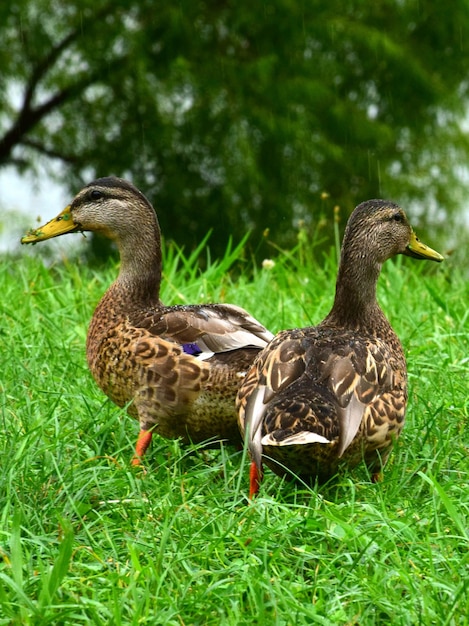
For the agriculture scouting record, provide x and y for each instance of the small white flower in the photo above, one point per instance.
(268, 264)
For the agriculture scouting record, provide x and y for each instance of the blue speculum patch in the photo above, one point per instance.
(191, 348)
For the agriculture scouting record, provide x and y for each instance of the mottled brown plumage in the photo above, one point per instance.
(335, 394)
(177, 368)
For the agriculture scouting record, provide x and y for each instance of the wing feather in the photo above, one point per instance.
(254, 411)
(214, 328)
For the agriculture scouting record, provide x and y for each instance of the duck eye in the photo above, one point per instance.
(397, 217)
(95, 195)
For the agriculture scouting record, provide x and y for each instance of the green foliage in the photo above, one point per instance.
(84, 538)
(234, 116)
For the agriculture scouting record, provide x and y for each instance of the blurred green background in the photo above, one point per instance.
(237, 116)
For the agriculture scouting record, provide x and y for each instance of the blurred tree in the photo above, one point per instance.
(236, 115)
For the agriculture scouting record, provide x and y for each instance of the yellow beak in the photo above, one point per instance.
(418, 250)
(61, 224)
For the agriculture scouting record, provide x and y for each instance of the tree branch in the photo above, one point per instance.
(29, 116)
(44, 65)
(53, 154)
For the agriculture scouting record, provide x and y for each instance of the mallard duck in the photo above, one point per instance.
(177, 368)
(319, 397)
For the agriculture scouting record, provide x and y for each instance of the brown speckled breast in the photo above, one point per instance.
(174, 393)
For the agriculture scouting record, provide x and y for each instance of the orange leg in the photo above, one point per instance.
(143, 441)
(255, 477)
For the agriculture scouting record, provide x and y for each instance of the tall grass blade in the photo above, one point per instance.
(448, 504)
(54, 578)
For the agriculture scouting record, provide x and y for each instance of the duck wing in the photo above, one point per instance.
(204, 330)
(304, 374)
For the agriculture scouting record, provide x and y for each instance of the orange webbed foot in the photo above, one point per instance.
(255, 477)
(143, 441)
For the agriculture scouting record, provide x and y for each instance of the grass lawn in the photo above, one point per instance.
(87, 539)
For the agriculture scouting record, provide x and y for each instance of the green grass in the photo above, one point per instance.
(85, 539)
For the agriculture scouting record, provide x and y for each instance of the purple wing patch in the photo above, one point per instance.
(191, 348)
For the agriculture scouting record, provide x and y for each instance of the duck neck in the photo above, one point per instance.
(355, 305)
(140, 266)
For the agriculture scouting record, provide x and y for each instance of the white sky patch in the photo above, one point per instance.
(26, 203)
